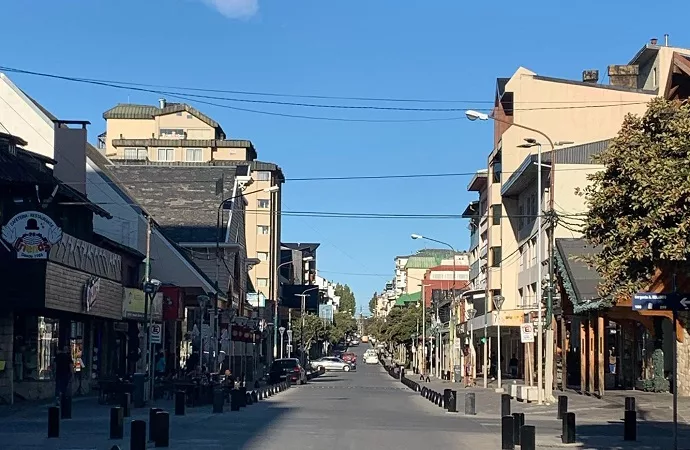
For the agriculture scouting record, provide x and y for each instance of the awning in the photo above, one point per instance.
(579, 280)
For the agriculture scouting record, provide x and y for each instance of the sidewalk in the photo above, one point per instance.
(598, 421)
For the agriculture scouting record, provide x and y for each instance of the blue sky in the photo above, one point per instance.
(440, 49)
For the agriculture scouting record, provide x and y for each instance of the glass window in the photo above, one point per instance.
(263, 176)
(495, 256)
(175, 133)
(194, 154)
(166, 154)
(262, 282)
(76, 343)
(263, 256)
(496, 214)
(132, 153)
(262, 229)
(263, 203)
(35, 347)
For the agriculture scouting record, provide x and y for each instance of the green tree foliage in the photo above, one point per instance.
(373, 326)
(639, 205)
(401, 324)
(343, 325)
(315, 329)
(347, 298)
(372, 303)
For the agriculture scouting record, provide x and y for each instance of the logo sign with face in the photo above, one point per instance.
(31, 234)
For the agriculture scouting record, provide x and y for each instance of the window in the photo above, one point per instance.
(263, 176)
(193, 154)
(263, 203)
(166, 154)
(262, 282)
(496, 168)
(189, 116)
(262, 229)
(172, 133)
(179, 114)
(263, 256)
(136, 153)
(496, 214)
(521, 216)
(35, 347)
(495, 256)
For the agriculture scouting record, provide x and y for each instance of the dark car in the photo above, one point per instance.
(283, 368)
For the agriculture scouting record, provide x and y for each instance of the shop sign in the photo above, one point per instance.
(31, 234)
(133, 305)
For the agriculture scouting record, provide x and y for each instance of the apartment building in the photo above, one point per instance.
(400, 280)
(582, 114)
(176, 134)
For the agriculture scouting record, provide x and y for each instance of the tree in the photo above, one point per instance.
(372, 303)
(315, 328)
(343, 325)
(639, 205)
(401, 324)
(347, 299)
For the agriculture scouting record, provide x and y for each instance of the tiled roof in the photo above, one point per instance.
(423, 262)
(408, 298)
(133, 111)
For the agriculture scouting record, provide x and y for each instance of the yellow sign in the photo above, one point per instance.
(133, 305)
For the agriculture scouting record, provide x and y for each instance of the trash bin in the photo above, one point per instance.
(458, 373)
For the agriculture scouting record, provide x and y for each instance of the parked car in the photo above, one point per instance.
(349, 357)
(330, 363)
(371, 358)
(283, 368)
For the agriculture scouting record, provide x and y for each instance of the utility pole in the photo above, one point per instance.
(148, 316)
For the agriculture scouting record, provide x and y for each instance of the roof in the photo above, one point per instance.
(478, 181)
(301, 246)
(133, 111)
(526, 173)
(457, 268)
(580, 281)
(255, 165)
(182, 199)
(596, 85)
(116, 247)
(471, 211)
(422, 262)
(406, 299)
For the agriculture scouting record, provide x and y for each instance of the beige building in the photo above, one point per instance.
(586, 114)
(179, 134)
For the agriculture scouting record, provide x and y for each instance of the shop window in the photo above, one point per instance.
(76, 343)
(35, 347)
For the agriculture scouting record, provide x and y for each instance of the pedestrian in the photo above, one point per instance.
(63, 373)
(513, 366)
(469, 365)
(612, 360)
(160, 365)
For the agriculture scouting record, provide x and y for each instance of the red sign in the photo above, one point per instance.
(172, 302)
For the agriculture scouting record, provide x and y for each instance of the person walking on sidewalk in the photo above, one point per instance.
(469, 365)
(63, 373)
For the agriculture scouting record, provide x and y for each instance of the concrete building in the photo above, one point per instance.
(504, 220)
(177, 134)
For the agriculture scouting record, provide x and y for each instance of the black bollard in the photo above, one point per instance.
(117, 423)
(180, 400)
(423, 392)
(507, 430)
(234, 400)
(562, 406)
(505, 405)
(137, 438)
(152, 419)
(218, 401)
(518, 422)
(126, 403)
(441, 401)
(269, 391)
(65, 407)
(452, 401)
(255, 396)
(243, 396)
(630, 404)
(470, 404)
(630, 426)
(568, 434)
(528, 437)
(249, 398)
(53, 422)
(162, 421)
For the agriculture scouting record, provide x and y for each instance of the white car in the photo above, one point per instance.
(329, 363)
(371, 359)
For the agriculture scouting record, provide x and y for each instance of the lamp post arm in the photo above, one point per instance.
(525, 127)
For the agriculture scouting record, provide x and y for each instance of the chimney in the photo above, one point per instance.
(653, 41)
(161, 103)
(624, 76)
(70, 153)
(590, 76)
(666, 39)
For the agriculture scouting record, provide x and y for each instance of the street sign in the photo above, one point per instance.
(156, 334)
(526, 333)
(653, 301)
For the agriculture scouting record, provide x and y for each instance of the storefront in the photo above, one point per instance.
(130, 335)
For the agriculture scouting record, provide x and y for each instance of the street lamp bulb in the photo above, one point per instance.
(476, 115)
(416, 236)
(530, 140)
(271, 189)
(308, 258)
(558, 143)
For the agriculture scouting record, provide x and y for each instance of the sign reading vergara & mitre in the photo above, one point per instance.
(31, 234)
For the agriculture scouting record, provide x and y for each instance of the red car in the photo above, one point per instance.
(349, 357)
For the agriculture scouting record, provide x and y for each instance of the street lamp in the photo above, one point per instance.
(221, 205)
(275, 305)
(498, 302)
(475, 115)
(471, 313)
(289, 346)
(419, 236)
(303, 308)
(282, 331)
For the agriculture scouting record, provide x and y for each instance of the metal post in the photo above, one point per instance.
(540, 338)
(675, 378)
(423, 333)
(486, 342)
(498, 344)
(301, 334)
(147, 298)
